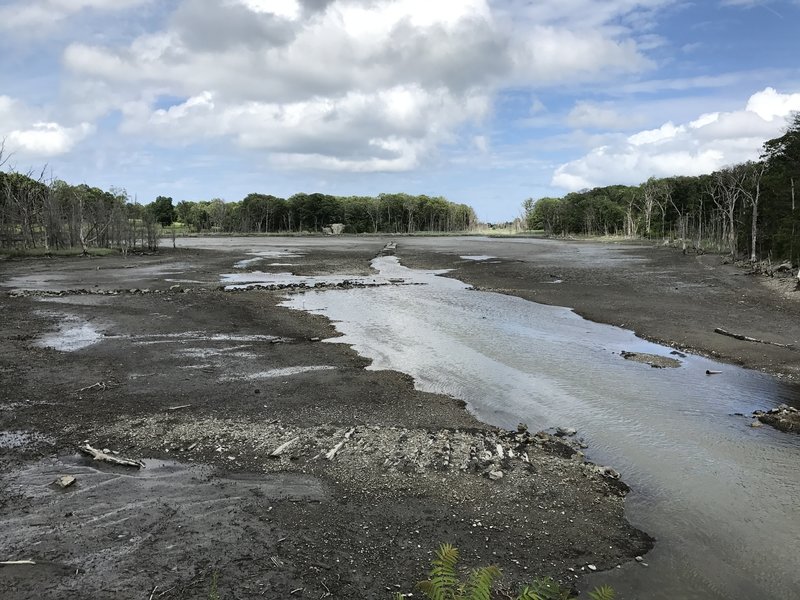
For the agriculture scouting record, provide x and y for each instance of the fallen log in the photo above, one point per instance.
(746, 338)
(10, 563)
(115, 460)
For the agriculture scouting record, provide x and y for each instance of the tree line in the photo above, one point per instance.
(744, 209)
(36, 213)
(263, 213)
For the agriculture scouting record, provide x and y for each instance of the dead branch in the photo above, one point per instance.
(283, 447)
(102, 456)
(332, 452)
(9, 563)
(101, 385)
(182, 406)
(745, 338)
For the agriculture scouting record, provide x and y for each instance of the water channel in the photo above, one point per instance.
(719, 496)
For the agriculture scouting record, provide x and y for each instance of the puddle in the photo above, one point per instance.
(232, 352)
(71, 335)
(719, 496)
(199, 336)
(82, 278)
(77, 300)
(243, 264)
(480, 257)
(390, 274)
(284, 372)
(260, 255)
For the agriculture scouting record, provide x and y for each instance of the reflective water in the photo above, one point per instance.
(719, 496)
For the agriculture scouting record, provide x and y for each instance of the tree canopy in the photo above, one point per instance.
(750, 205)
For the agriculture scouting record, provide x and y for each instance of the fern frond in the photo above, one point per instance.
(544, 588)
(446, 559)
(443, 582)
(439, 588)
(603, 592)
(479, 585)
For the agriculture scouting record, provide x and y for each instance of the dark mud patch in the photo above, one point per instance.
(180, 520)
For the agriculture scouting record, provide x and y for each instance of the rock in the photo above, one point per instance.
(566, 431)
(314, 339)
(756, 424)
(65, 481)
(495, 475)
(592, 567)
(639, 559)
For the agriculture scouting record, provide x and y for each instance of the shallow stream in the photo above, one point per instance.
(719, 496)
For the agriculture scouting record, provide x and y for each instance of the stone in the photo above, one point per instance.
(495, 475)
(566, 431)
(592, 567)
(65, 481)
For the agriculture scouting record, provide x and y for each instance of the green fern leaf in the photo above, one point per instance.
(443, 582)
(604, 592)
(479, 586)
(545, 588)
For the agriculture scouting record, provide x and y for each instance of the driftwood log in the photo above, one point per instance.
(746, 338)
(109, 458)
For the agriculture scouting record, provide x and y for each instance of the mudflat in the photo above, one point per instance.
(278, 465)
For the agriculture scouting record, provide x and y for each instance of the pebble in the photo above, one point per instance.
(592, 567)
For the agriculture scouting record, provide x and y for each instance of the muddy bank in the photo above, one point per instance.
(285, 466)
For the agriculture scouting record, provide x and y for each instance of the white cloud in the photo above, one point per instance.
(343, 84)
(701, 146)
(44, 140)
(769, 104)
(27, 14)
(27, 135)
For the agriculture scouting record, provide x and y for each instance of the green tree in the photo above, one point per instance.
(163, 211)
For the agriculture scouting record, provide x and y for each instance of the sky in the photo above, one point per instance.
(486, 102)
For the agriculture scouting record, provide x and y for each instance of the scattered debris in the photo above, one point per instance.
(107, 457)
(785, 418)
(332, 452)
